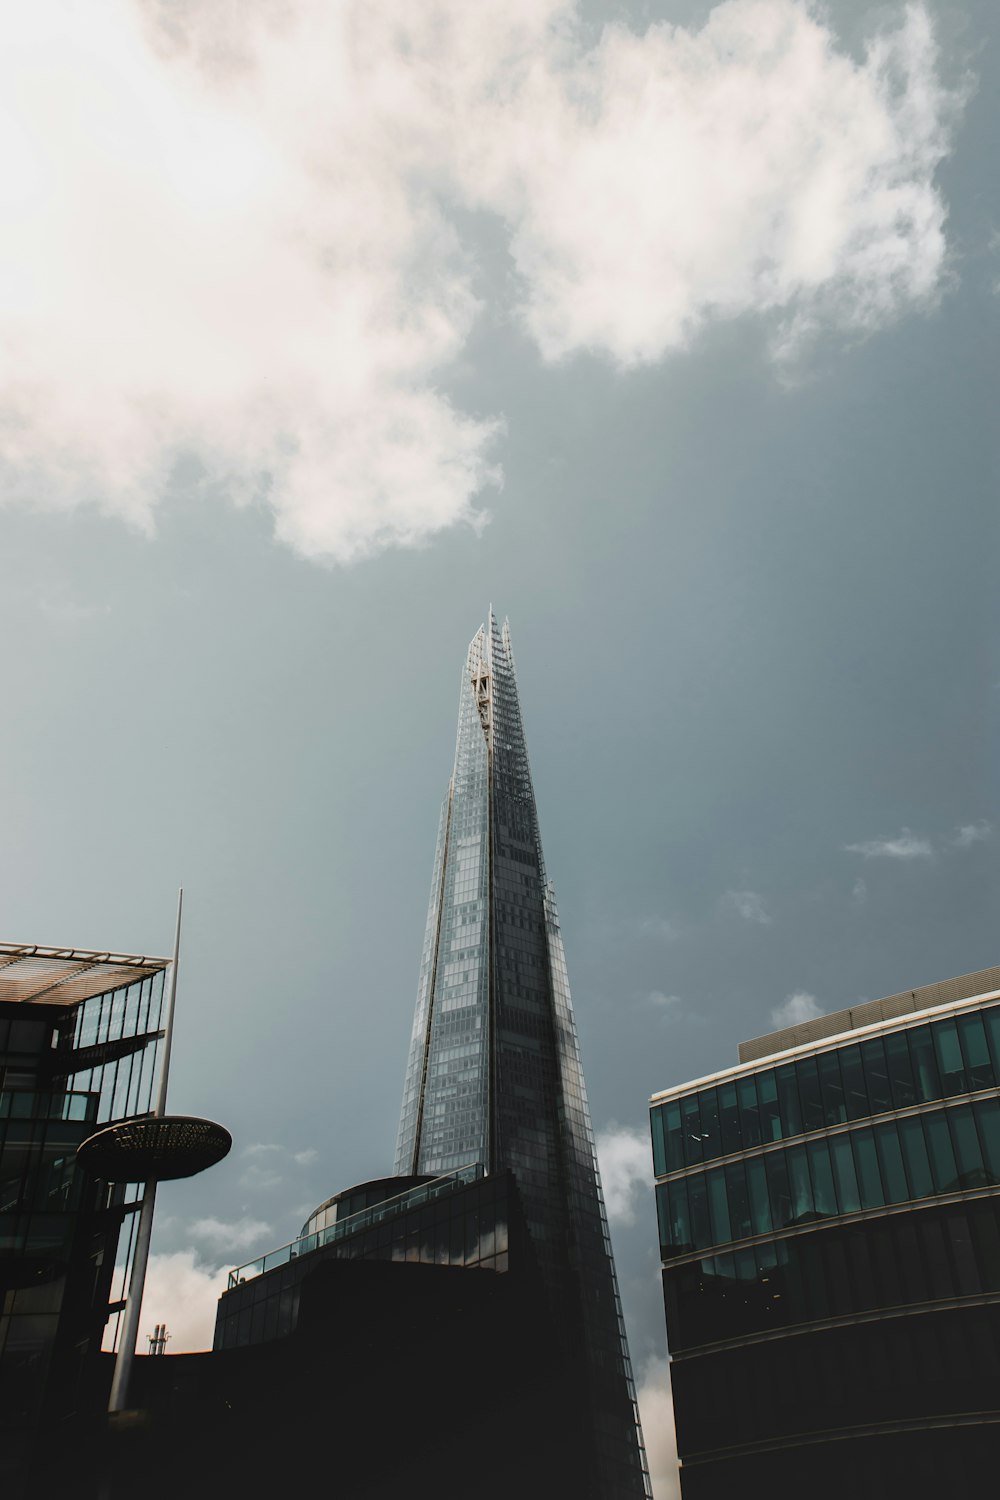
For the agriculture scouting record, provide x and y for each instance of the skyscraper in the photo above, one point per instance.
(493, 1073)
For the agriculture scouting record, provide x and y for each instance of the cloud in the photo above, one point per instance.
(749, 905)
(665, 929)
(905, 845)
(656, 1412)
(271, 1164)
(662, 1001)
(626, 1164)
(235, 233)
(971, 833)
(797, 1008)
(233, 1237)
(182, 1294)
(859, 890)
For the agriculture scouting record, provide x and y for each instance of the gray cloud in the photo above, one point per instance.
(749, 905)
(799, 1007)
(904, 845)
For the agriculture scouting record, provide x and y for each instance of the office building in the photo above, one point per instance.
(829, 1215)
(79, 1037)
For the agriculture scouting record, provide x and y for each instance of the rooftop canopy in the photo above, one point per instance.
(35, 975)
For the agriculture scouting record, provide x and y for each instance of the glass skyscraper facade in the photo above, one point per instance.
(829, 1216)
(493, 1073)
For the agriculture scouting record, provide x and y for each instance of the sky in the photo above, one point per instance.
(671, 331)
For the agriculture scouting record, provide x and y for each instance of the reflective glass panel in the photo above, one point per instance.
(939, 1149)
(807, 1074)
(760, 1206)
(991, 1021)
(949, 1057)
(673, 1135)
(918, 1168)
(788, 1099)
(890, 1158)
(866, 1161)
(855, 1092)
(800, 1184)
(897, 1056)
(965, 1141)
(975, 1051)
(739, 1200)
(876, 1074)
(831, 1089)
(691, 1129)
(711, 1136)
(987, 1113)
(701, 1228)
(656, 1131)
(729, 1119)
(770, 1119)
(749, 1111)
(778, 1189)
(824, 1195)
(845, 1176)
(718, 1203)
(925, 1069)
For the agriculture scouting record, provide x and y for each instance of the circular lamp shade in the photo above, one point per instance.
(165, 1148)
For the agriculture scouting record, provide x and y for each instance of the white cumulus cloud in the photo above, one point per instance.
(183, 1294)
(796, 1008)
(626, 1161)
(231, 232)
(971, 833)
(905, 845)
(750, 906)
(231, 1236)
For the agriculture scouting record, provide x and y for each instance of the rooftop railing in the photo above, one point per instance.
(366, 1218)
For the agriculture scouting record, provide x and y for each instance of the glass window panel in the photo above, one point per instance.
(958, 1233)
(837, 1278)
(807, 1074)
(939, 1149)
(939, 1268)
(991, 1021)
(853, 1074)
(862, 1272)
(911, 1267)
(918, 1167)
(788, 1100)
(824, 1195)
(831, 1088)
(814, 1275)
(890, 1157)
(986, 1236)
(965, 1140)
(987, 1113)
(739, 1200)
(659, 1153)
(673, 1136)
(749, 1111)
(800, 1184)
(926, 1078)
(770, 1118)
(691, 1129)
(701, 1224)
(718, 1204)
(778, 1189)
(975, 1051)
(897, 1056)
(876, 1075)
(760, 1206)
(711, 1136)
(729, 1119)
(866, 1161)
(949, 1057)
(845, 1176)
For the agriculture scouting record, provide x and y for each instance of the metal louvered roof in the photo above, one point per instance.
(36, 975)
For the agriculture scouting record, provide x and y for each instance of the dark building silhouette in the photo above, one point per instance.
(79, 1035)
(829, 1218)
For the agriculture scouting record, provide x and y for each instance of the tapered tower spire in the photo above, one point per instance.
(493, 1073)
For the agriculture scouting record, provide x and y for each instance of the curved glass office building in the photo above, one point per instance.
(829, 1216)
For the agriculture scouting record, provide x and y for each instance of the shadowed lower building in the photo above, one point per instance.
(829, 1216)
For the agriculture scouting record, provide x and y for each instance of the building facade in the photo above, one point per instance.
(829, 1218)
(79, 1037)
(493, 1073)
